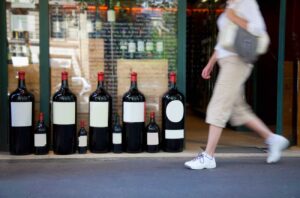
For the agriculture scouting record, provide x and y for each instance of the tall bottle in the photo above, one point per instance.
(82, 139)
(153, 132)
(133, 117)
(40, 137)
(117, 135)
(100, 118)
(173, 114)
(64, 119)
(21, 104)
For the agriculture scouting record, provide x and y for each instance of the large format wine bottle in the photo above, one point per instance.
(21, 119)
(40, 137)
(133, 117)
(173, 118)
(64, 119)
(100, 118)
(117, 136)
(152, 131)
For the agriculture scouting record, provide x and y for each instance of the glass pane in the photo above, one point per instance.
(23, 46)
(116, 37)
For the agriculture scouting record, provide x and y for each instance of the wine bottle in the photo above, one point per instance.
(173, 118)
(64, 119)
(40, 137)
(57, 23)
(82, 139)
(152, 131)
(21, 119)
(100, 118)
(133, 117)
(117, 135)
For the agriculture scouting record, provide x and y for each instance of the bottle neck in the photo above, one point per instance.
(173, 85)
(100, 84)
(64, 84)
(152, 120)
(116, 120)
(133, 84)
(22, 84)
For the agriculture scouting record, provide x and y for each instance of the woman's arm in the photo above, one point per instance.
(209, 67)
(230, 13)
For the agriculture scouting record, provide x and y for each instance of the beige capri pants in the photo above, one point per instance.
(228, 99)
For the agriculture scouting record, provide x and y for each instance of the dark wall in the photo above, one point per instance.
(266, 67)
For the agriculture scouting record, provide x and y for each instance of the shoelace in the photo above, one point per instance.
(199, 157)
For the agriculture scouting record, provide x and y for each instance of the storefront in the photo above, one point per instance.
(44, 38)
(152, 38)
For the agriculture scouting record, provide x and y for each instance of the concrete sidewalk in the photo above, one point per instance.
(149, 177)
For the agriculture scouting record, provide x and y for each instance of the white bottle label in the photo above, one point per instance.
(175, 111)
(152, 139)
(149, 46)
(99, 113)
(64, 113)
(21, 114)
(117, 138)
(174, 134)
(159, 46)
(40, 140)
(131, 47)
(82, 141)
(140, 46)
(133, 112)
(90, 26)
(111, 16)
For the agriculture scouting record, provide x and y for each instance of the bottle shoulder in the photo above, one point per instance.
(152, 127)
(64, 95)
(173, 94)
(133, 96)
(21, 95)
(100, 95)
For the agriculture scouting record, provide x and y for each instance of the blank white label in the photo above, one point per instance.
(99, 114)
(64, 113)
(174, 134)
(83, 141)
(21, 114)
(40, 140)
(152, 139)
(117, 138)
(134, 112)
(175, 111)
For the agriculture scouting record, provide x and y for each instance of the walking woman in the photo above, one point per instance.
(227, 102)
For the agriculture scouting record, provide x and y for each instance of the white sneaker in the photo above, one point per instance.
(276, 144)
(202, 161)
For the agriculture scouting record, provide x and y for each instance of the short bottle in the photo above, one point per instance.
(82, 139)
(117, 135)
(152, 131)
(40, 137)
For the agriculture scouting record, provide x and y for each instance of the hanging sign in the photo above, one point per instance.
(23, 23)
(22, 3)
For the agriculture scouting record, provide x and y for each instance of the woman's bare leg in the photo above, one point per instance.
(214, 135)
(259, 127)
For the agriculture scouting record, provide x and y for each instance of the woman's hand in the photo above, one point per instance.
(207, 71)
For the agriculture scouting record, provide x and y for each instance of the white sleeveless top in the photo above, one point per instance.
(247, 9)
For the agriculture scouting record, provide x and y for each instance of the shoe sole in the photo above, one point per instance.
(199, 168)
